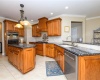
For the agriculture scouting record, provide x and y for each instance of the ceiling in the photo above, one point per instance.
(35, 9)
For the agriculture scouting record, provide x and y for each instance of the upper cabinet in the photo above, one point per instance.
(42, 24)
(54, 27)
(36, 31)
(10, 26)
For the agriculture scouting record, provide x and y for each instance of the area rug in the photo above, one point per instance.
(53, 69)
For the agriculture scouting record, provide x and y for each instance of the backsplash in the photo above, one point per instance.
(50, 39)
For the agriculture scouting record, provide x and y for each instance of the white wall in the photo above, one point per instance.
(66, 21)
(0, 32)
(91, 24)
(1, 20)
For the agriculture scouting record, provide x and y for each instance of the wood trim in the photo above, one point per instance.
(55, 19)
(43, 18)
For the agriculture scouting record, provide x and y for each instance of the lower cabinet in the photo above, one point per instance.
(59, 56)
(50, 50)
(22, 59)
(39, 49)
(89, 67)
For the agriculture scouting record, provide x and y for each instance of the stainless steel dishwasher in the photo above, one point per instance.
(71, 66)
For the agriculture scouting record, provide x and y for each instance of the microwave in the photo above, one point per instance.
(12, 38)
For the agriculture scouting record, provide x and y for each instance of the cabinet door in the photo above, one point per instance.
(10, 26)
(28, 59)
(35, 30)
(21, 32)
(16, 57)
(39, 49)
(50, 28)
(54, 27)
(61, 63)
(10, 53)
(89, 67)
(50, 50)
(42, 24)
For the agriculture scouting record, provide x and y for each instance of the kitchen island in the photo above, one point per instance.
(22, 56)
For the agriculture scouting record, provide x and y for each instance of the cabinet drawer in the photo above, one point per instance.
(39, 52)
(39, 46)
(50, 45)
(60, 49)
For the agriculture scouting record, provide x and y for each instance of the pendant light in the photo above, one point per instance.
(23, 20)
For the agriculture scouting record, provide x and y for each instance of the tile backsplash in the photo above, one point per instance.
(50, 39)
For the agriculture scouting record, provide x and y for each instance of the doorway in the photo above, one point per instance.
(76, 32)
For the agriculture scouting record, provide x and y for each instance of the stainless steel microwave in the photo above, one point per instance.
(12, 38)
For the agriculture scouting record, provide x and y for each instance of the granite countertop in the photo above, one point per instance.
(23, 45)
(79, 51)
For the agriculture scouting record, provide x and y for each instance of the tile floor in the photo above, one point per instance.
(8, 72)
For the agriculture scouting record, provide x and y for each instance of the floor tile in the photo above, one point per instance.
(9, 72)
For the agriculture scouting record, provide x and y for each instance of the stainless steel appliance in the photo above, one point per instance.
(12, 38)
(71, 68)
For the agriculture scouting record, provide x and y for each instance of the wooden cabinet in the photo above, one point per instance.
(36, 31)
(50, 50)
(9, 25)
(54, 27)
(42, 24)
(13, 55)
(28, 59)
(22, 59)
(59, 56)
(89, 67)
(39, 49)
(21, 32)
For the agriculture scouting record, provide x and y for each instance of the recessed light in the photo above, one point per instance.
(51, 13)
(31, 20)
(66, 7)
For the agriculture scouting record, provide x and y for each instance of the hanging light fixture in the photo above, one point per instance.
(23, 20)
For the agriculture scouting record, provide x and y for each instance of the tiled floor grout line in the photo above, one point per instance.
(9, 72)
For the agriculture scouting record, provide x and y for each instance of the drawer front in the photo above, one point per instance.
(39, 47)
(60, 49)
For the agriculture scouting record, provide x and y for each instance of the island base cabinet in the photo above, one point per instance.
(22, 59)
(89, 67)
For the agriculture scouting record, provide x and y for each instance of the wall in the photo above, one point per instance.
(0, 32)
(66, 21)
(1, 20)
(91, 24)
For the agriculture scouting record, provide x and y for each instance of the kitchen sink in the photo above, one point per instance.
(63, 45)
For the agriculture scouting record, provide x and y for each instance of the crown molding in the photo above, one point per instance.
(67, 15)
(93, 18)
(72, 15)
(8, 19)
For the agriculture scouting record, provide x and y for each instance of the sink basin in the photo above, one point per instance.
(66, 45)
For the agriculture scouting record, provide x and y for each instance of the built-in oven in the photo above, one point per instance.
(12, 38)
(71, 66)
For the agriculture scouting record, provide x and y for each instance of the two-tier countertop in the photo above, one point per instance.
(23, 45)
